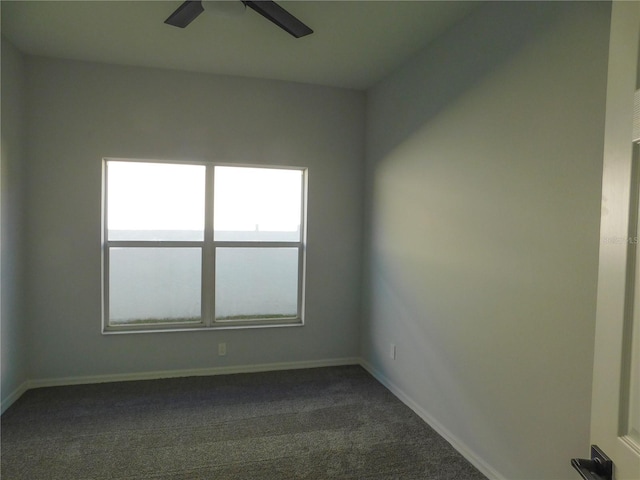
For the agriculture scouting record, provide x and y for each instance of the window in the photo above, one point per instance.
(202, 246)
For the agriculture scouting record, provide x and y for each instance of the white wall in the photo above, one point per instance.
(12, 319)
(484, 167)
(80, 112)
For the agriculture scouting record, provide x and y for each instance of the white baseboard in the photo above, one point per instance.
(460, 446)
(466, 452)
(13, 396)
(123, 377)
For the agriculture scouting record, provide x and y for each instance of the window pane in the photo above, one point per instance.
(154, 285)
(261, 204)
(633, 394)
(254, 283)
(155, 201)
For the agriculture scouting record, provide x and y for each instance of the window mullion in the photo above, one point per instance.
(208, 253)
(105, 286)
(153, 244)
(302, 252)
(105, 246)
(256, 244)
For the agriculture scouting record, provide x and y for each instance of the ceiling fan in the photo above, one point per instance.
(189, 10)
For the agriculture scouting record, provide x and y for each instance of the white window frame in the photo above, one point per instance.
(208, 248)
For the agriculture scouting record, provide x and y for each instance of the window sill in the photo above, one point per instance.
(237, 325)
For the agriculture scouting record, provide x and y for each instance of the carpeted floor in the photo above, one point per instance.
(322, 423)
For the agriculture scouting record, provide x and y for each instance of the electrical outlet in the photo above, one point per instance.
(222, 349)
(392, 351)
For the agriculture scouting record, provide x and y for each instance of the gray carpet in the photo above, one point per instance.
(321, 423)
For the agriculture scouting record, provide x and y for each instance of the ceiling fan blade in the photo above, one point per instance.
(278, 15)
(185, 13)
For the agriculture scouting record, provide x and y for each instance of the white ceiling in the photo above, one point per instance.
(354, 44)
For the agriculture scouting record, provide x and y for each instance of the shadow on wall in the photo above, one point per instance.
(457, 60)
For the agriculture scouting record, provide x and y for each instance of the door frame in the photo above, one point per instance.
(615, 273)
